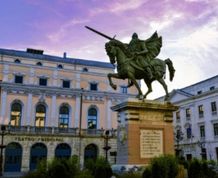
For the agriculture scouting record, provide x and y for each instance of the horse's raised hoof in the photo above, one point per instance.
(166, 98)
(140, 97)
(144, 97)
(114, 87)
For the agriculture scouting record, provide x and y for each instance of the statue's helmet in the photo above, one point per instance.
(134, 35)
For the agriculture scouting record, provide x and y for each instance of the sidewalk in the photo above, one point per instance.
(12, 174)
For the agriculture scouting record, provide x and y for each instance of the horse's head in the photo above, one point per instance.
(111, 51)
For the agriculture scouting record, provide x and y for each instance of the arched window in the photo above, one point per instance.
(13, 157)
(39, 64)
(38, 152)
(64, 117)
(62, 150)
(60, 66)
(92, 118)
(91, 152)
(40, 115)
(16, 110)
(17, 61)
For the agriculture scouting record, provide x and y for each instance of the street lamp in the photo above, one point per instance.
(106, 137)
(80, 126)
(2, 146)
(201, 144)
(178, 137)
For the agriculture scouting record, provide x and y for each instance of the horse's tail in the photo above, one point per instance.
(171, 68)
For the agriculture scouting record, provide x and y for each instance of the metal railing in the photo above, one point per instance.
(56, 130)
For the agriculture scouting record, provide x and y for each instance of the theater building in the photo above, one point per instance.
(56, 107)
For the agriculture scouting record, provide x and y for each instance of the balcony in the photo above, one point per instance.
(56, 131)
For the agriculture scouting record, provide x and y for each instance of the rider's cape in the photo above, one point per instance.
(153, 44)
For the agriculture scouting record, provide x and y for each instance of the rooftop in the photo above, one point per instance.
(43, 57)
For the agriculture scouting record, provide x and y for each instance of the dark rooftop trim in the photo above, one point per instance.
(24, 54)
(192, 85)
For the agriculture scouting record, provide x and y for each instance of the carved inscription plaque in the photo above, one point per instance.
(151, 143)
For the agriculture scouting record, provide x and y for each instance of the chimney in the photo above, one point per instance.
(65, 55)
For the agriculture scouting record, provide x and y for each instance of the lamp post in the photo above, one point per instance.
(80, 126)
(178, 137)
(201, 144)
(106, 139)
(2, 146)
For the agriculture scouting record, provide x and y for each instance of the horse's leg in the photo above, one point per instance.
(110, 75)
(148, 83)
(162, 82)
(132, 78)
(130, 83)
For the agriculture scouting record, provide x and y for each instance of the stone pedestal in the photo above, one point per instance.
(145, 130)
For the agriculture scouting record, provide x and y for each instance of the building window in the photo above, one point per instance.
(213, 108)
(202, 131)
(66, 84)
(199, 92)
(124, 89)
(189, 132)
(43, 81)
(18, 79)
(212, 88)
(16, 109)
(92, 118)
(201, 111)
(188, 113)
(85, 69)
(93, 86)
(178, 116)
(17, 61)
(215, 127)
(39, 64)
(40, 115)
(64, 117)
(60, 66)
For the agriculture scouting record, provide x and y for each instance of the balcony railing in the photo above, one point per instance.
(56, 130)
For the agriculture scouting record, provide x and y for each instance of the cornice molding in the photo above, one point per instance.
(63, 92)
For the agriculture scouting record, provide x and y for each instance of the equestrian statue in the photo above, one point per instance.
(137, 60)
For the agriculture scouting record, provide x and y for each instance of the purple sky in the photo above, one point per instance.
(189, 29)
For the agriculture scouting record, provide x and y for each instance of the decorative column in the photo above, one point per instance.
(5, 72)
(29, 116)
(32, 74)
(77, 112)
(54, 77)
(54, 119)
(3, 107)
(108, 114)
(78, 81)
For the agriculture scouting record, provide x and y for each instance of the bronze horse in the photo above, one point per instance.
(128, 68)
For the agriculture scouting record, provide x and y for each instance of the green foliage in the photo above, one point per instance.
(130, 175)
(40, 171)
(147, 172)
(200, 169)
(102, 169)
(162, 167)
(183, 162)
(64, 168)
(84, 174)
(99, 168)
(90, 164)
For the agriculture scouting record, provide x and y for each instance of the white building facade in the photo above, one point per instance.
(196, 120)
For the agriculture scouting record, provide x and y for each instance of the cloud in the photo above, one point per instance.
(63, 30)
(118, 7)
